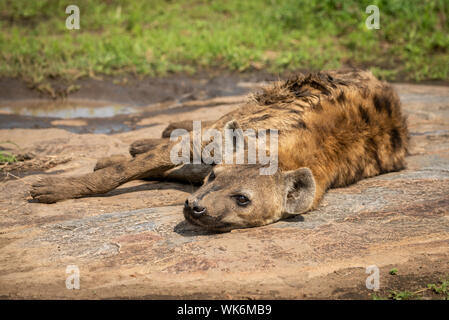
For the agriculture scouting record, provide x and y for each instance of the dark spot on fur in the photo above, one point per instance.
(303, 94)
(342, 119)
(278, 107)
(300, 124)
(332, 101)
(149, 156)
(341, 97)
(359, 173)
(395, 138)
(260, 111)
(319, 86)
(364, 114)
(373, 148)
(261, 118)
(318, 106)
(295, 111)
(365, 93)
(382, 103)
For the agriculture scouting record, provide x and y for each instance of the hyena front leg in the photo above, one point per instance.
(186, 173)
(152, 163)
(137, 147)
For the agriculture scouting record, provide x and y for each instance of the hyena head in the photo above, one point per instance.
(238, 196)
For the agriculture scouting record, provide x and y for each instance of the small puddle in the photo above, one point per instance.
(153, 91)
(100, 116)
(78, 116)
(65, 109)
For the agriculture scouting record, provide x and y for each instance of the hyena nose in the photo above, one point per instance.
(199, 211)
(195, 209)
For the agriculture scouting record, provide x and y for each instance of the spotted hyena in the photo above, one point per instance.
(334, 128)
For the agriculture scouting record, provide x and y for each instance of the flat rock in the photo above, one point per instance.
(134, 243)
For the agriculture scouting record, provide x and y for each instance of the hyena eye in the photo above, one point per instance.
(241, 200)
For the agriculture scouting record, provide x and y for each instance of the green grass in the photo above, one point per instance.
(440, 290)
(393, 271)
(160, 37)
(6, 157)
(402, 295)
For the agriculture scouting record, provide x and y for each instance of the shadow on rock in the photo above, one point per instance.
(147, 187)
(297, 218)
(186, 229)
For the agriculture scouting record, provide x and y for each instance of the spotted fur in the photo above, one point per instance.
(343, 125)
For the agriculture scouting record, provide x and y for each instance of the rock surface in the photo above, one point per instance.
(133, 242)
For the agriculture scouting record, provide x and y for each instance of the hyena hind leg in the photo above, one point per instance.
(145, 145)
(137, 147)
(110, 161)
(186, 125)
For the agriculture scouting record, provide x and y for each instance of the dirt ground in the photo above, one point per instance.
(133, 242)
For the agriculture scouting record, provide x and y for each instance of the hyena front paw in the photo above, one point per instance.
(51, 190)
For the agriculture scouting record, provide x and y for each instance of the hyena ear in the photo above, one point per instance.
(233, 132)
(232, 125)
(300, 190)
